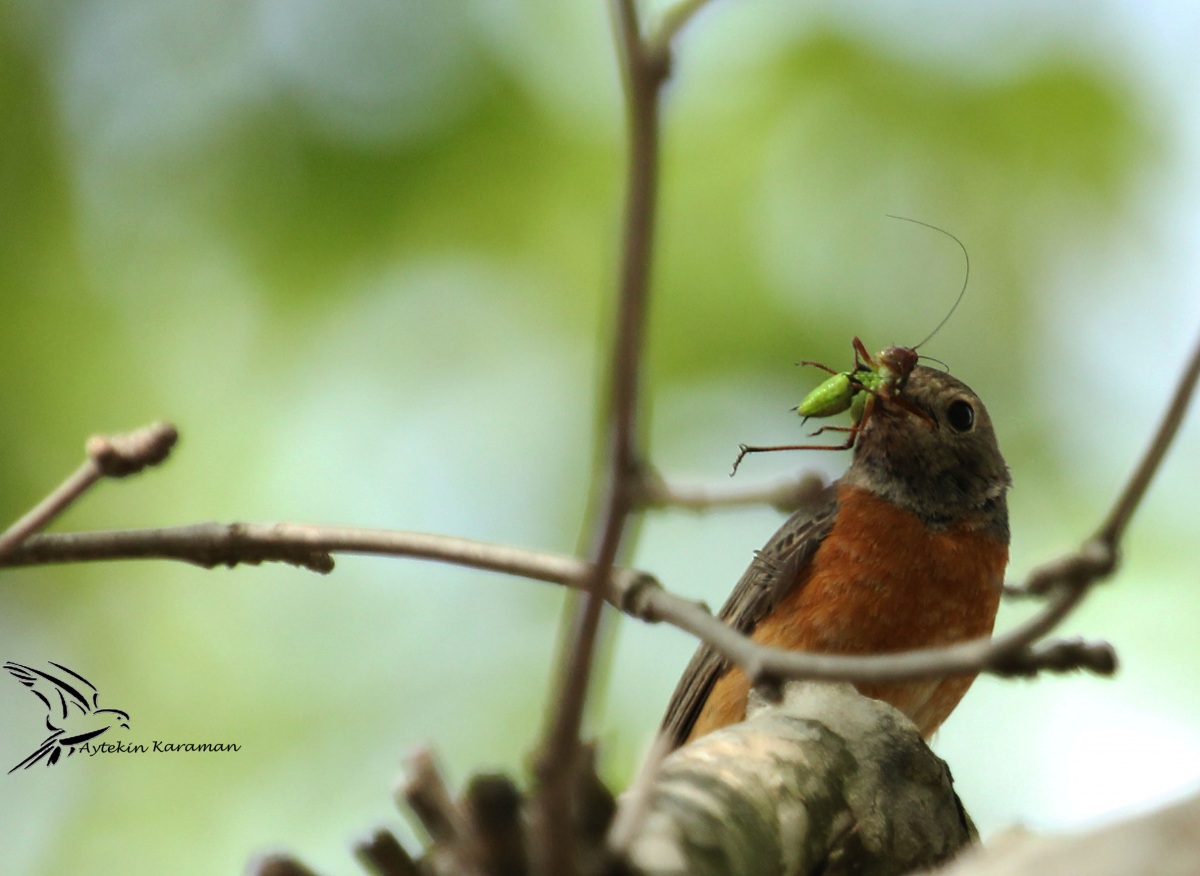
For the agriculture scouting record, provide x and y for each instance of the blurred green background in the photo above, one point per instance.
(362, 254)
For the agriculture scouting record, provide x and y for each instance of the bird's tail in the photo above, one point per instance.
(49, 747)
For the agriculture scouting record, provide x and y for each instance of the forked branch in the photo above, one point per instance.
(112, 456)
(638, 594)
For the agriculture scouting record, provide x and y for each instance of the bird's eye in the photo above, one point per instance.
(960, 415)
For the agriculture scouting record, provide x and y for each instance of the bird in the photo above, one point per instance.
(907, 550)
(73, 713)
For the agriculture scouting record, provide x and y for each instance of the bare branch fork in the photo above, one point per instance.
(1064, 580)
(627, 486)
(645, 65)
(636, 593)
(107, 456)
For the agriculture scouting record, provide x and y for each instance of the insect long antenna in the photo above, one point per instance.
(966, 275)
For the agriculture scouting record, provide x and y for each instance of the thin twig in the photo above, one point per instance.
(278, 865)
(230, 544)
(426, 795)
(635, 801)
(50, 507)
(673, 20)
(635, 593)
(112, 456)
(645, 66)
(493, 806)
(119, 456)
(639, 595)
(1101, 549)
(1003, 655)
(1119, 518)
(786, 495)
(382, 854)
(558, 757)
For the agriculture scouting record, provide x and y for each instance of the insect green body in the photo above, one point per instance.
(883, 376)
(830, 398)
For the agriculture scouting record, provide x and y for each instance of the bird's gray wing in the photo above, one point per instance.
(59, 692)
(773, 572)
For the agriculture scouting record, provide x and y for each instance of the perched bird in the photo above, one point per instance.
(72, 715)
(907, 550)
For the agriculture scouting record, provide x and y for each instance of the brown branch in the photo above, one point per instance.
(635, 802)
(673, 21)
(639, 595)
(111, 456)
(635, 593)
(557, 761)
(50, 507)
(118, 456)
(382, 855)
(1004, 655)
(1116, 522)
(1100, 551)
(278, 865)
(645, 66)
(230, 544)
(493, 807)
(423, 790)
(786, 495)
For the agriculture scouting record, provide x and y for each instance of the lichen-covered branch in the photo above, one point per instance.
(826, 782)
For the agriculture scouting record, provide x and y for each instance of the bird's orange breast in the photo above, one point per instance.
(881, 581)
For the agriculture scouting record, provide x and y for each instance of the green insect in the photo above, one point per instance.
(870, 381)
(883, 376)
